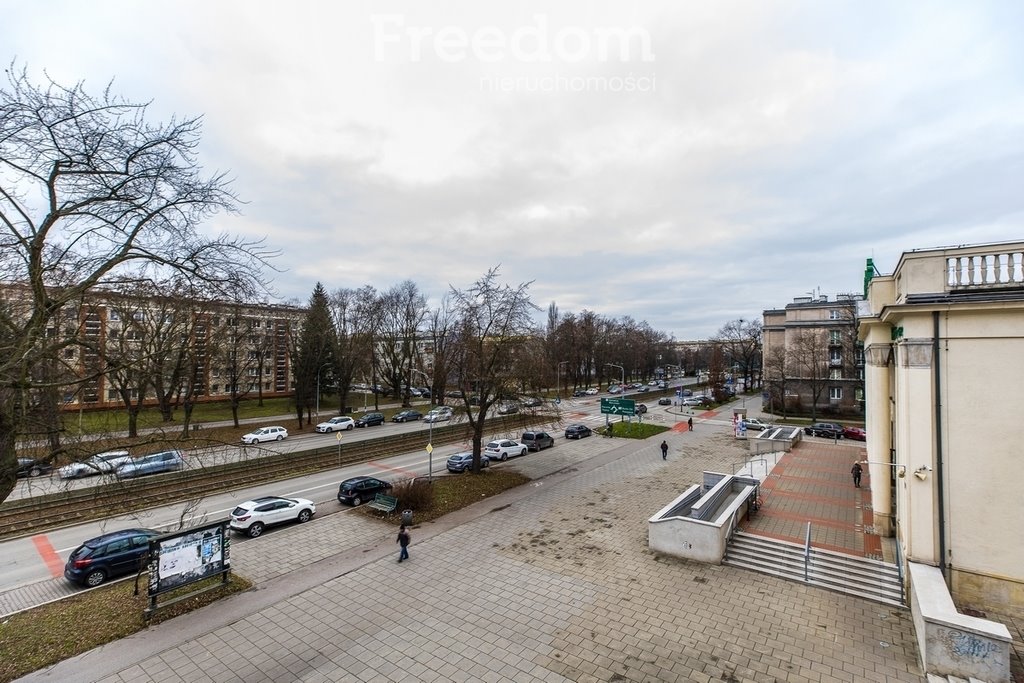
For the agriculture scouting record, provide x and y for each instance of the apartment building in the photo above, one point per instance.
(117, 344)
(812, 360)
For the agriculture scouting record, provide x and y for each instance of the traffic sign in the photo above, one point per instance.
(618, 406)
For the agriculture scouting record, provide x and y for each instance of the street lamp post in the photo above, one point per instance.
(430, 432)
(558, 379)
(318, 389)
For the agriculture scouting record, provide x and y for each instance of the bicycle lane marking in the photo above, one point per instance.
(49, 555)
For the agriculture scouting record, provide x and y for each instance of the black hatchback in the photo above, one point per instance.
(358, 490)
(370, 419)
(577, 432)
(109, 555)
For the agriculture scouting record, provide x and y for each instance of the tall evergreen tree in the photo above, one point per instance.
(314, 355)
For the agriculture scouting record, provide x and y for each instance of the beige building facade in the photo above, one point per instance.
(944, 347)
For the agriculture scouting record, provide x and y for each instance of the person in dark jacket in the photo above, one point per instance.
(856, 472)
(689, 424)
(664, 450)
(403, 540)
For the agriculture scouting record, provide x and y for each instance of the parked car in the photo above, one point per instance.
(439, 414)
(639, 409)
(370, 419)
(537, 441)
(358, 490)
(855, 434)
(508, 409)
(695, 401)
(262, 434)
(531, 402)
(29, 467)
(504, 449)
(579, 393)
(463, 462)
(829, 430)
(104, 557)
(592, 391)
(755, 423)
(577, 432)
(407, 416)
(664, 401)
(653, 383)
(253, 516)
(686, 392)
(101, 463)
(336, 424)
(643, 389)
(455, 393)
(155, 463)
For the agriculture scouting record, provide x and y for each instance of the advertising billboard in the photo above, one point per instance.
(187, 556)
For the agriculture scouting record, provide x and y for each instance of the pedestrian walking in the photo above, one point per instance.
(856, 472)
(664, 450)
(403, 540)
(689, 424)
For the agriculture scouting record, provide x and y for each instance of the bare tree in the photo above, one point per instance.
(742, 341)
(493, 322)
(402, 310)
(808, 356)
(777, 378)
(92, 193)
(352, 356)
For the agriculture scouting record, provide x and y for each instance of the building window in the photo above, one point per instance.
(833, 314)
(835, 373)
(834, 337)
(114, 315)
(835, 357)
(858, 394)
(214, 388)
(111, 394)
(835, 393)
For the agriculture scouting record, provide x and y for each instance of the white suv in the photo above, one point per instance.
(253, 516)
(439, 414)
(336, 424)
(504, 449)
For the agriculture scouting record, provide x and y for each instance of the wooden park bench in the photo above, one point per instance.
(384, 503)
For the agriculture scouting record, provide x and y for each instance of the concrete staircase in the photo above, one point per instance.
(860, 576)
(934, 678)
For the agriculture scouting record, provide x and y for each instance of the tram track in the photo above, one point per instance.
(33, 514)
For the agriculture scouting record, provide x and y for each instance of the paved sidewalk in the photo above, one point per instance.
(552, 581)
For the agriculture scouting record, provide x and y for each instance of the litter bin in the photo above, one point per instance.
(407, 517)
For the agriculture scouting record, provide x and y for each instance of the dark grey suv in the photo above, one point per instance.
(829, 430)
(536, 441)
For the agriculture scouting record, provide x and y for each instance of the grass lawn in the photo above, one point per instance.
(634, 430)
(51, 633)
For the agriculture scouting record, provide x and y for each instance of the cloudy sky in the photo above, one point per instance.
(684, 163)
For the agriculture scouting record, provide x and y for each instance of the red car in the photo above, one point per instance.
(855, 433)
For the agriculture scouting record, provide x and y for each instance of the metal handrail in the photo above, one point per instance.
(899, 569)
(763, 461)
(807, 552)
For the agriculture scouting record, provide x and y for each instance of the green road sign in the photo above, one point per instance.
(618, 406)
